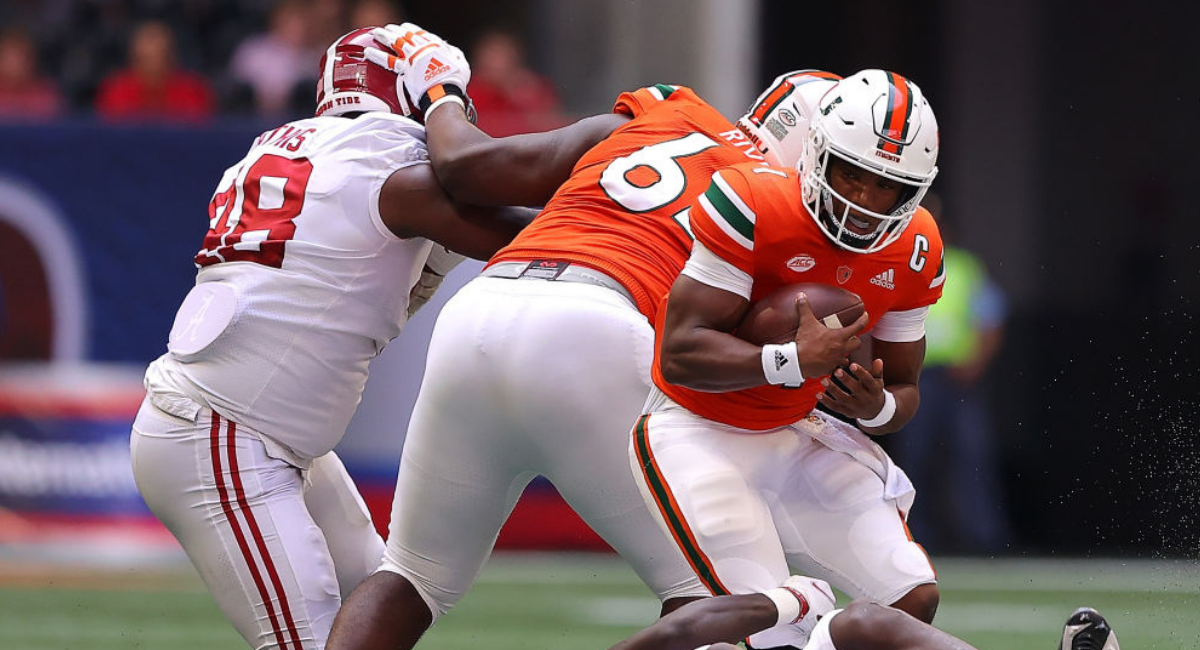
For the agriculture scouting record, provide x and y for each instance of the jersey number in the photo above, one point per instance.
(252, 220)
(651, 177)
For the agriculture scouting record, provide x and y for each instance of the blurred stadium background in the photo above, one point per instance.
(1067, 163)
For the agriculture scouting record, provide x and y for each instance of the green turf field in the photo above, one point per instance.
(531, 602)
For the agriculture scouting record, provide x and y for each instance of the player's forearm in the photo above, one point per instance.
(522, 169)
(727, 619)
(711, 361)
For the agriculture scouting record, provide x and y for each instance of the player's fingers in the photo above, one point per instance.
(804, 310)
(853, 343)
(877, 368)
(857, 326)
(387, 36)
(384, 59)
(833, 391)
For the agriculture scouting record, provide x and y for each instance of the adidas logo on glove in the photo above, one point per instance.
(435, 68)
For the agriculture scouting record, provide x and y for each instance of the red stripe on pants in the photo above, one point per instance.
(227, 507)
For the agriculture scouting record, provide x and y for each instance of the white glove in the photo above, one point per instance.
(441, 261)
(433, 71)
(801, 602)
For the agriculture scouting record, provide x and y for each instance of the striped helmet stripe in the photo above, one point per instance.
(896, 121)
(770, 100)
(727, 210)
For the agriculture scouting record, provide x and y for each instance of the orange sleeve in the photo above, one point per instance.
(927, 242)
(636, 102)
(723, 220)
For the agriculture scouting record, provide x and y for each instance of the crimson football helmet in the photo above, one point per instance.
(881, 122)
(349, 84)
(778, 120)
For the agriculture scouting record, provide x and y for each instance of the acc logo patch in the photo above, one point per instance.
(787, 117)
(801, 263)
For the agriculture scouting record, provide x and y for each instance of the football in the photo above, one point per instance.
(774, 320)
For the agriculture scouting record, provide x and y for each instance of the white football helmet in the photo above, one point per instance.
(878, 121)
(777, 122)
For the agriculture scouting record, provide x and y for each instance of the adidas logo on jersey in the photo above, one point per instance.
(887, 279)
(435, 68)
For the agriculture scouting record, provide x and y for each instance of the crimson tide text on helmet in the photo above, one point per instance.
(880, 122)
(349, 84)
(778, 120)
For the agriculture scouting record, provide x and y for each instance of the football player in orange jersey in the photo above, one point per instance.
(747, 476)
(542, 364)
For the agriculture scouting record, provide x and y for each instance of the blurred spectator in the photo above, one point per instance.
(153, 86)
(375, 12)
(510, 97)
(273, 63)
(24, 92)
(948, 448)
(330, 20)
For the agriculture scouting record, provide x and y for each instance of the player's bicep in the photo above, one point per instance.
(413, 204)
(694, 305)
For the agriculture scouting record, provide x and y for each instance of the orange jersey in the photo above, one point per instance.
(754, 219)
(623, 211)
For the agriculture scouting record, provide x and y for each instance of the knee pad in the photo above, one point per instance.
(720, 514)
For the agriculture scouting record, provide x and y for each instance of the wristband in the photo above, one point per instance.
(885, 414)
(781, 364)
(437, 94)
(791, 604)
(445, 99)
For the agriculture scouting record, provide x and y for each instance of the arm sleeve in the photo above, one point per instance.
(901, 326)
(707, 267)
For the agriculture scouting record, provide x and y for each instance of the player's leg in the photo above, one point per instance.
(241, 517)
(338, 510)
(601, 349)
(840, 520)
(697, 476)
(460, 475)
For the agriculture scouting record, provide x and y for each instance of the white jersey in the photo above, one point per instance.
(300, 283)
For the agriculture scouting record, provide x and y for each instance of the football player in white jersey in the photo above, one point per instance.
(316, 240)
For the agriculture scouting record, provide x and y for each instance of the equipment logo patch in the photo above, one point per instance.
(801, 263)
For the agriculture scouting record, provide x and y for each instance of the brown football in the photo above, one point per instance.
(774, 319)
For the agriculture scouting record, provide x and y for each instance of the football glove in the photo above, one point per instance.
(441, 261)
(433, 71)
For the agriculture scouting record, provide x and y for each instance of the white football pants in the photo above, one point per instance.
(277, 546)
(526, 377)
(744, 506)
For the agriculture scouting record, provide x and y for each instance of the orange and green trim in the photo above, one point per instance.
(896, 120)
(671, 513)
(770, 101)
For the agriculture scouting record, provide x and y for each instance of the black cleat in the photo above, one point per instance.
(1087, 630)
